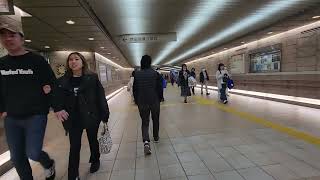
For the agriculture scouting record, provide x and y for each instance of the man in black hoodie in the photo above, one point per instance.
(147, 91)
(25, 84)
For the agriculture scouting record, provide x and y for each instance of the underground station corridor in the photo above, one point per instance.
(258, 118)
(201, 140)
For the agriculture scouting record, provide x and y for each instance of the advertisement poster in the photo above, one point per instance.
(237, 64)
(265, 62)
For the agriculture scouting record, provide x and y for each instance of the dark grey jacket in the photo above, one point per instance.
(202, 77)
(147, 87)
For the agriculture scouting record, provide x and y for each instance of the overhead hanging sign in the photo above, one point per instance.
(147, 38)
(6, 7)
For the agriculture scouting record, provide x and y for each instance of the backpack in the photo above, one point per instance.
(230, 83)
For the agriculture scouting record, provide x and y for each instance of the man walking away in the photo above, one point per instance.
(147, 89)
(25, 83)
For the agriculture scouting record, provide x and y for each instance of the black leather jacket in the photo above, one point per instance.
(93, 106)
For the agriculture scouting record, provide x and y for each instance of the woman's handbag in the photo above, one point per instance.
(105, 141)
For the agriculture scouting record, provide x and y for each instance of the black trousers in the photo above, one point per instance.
(75, 135)
(145, 116)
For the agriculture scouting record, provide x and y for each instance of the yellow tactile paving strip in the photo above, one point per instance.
(252, 118)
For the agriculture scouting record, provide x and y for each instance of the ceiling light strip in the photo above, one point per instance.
(260, 15)
(315, 24)
(207, 12)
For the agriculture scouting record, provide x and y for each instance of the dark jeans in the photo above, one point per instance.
(223, 95)
(25, 139)
(145, 116)
(75, 135)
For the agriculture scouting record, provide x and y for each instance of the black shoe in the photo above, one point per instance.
(147, 149)
(208, 94)
(185, 101)
(95, 167)
(51, 172)
(156, 140)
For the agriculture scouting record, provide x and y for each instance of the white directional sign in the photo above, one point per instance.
(146, 38)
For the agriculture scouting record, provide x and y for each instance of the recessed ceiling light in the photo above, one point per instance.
(91, 39)
(113, 57)
(70, 22)
(108, 53)
(28, 40)
(47, 47)
(270, 32)
(243, 42)
(102, 47)
(315, 17)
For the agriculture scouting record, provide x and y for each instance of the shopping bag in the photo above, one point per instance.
(105, 141)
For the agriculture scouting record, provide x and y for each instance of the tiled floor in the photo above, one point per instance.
(198, 142)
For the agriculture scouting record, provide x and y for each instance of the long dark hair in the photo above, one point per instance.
(219, 66)
(184, 65)
(85, 68)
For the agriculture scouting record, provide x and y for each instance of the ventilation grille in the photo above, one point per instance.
(311, 30)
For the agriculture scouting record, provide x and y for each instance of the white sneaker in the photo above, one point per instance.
(147, 149)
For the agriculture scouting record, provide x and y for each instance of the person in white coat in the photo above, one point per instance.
(130, 85)
(221, 76)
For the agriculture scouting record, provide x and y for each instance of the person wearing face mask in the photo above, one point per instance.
(80, 103)
(204, 78)
(184, 74)
(222, 76)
